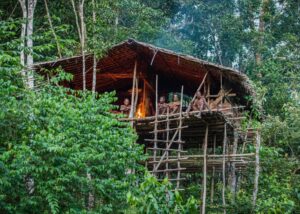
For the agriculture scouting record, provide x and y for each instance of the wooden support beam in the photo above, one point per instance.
(204, 171)
(169, 160)
(166, 130)
(168, 170)
(170, 150)
(173, 179)
(131, 114)
(155, 124)
(223, 168)
(163, 141)
(167, 144)
(168, 147)
(213, 173)
(199, 88)
(179, 138)
(233, 168)
(257, 170)
(184, 114)
(136, 95)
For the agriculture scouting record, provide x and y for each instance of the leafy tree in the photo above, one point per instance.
(66, 135)
(158, 197)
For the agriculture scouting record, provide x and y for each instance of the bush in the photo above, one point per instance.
(60, 139)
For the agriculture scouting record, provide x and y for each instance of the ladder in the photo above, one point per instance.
(167, 147)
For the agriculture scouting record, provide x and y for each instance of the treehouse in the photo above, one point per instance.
(208, 142)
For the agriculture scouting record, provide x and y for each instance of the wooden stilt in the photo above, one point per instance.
(167, 144)
(133, 89)
(233, 170)
(208, 90)
(136, 97)
(213, 174)
(257, 169)
(221, 83)
(179, 139)
(155, 126)
(223, 168)
(204, 171)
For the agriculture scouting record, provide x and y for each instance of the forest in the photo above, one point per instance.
(64, 151)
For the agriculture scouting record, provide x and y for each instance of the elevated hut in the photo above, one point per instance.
(188, 142)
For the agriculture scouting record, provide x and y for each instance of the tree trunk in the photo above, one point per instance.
(52, 29)
(94, 57)
(91, 197)
(76, 19)
(82, 25)
(261, 30)
(23, 34)
(31, 7)
(81, 34)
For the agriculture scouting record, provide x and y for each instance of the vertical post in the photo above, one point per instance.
(155, 126)
(257, 169)
(144, 97)
(204, 170)
(223, 168)
(132, 90)
(208, 90)
(199, 88)
(233, 168)
(167, 144)
(221, 82)
(213, 174)
(136, 95)
(179, 139)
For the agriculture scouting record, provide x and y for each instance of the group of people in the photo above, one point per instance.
(198, 104)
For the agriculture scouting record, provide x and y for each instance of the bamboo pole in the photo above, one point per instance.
(184, 114)
(208, 89)
(199, 88)
(204, 171)
(132, 90)
(257, 169)
(167, 144)
(136, 95)
(213, 174)
(179, 138)
(223, 168)
(221, 83)
(213, 156)
(233, 169)
(155, 126)
(144, 98)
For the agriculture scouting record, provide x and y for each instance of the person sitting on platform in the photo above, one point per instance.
(199, 103)
(162, 106)
(125, 108)
(175, 105)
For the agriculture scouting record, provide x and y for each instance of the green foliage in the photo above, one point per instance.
(56, 137)
(158, 197)
(275, 196)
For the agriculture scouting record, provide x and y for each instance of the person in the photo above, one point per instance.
(175, 105)
(125, 108)
(199, 103)
(162, 106)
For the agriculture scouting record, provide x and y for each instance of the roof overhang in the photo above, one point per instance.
(117, 66)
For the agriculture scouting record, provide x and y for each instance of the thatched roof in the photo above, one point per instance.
(116, 68)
